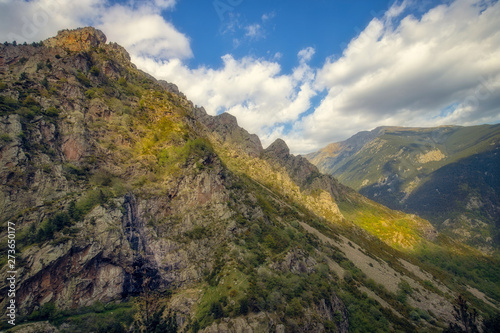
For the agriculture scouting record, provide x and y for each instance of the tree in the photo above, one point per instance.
(492, 324)
(465, 318)
(151, 307)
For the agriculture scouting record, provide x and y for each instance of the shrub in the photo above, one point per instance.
(52, 225)
(216, 310)
(244, 303)
(95, 71)
(414, 315)
(5, 138)
(196, 233)
(91, 93)
(294, 308)
(83, 79)
(52, 112)
(404, 289)
(45, 83)
(74, 212)
(48, 311)
(122, 82)
(7, 104)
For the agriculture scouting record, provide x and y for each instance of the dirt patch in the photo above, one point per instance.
(378, 270)
(482, 297)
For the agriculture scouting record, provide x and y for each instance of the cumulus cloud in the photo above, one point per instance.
(443, 68)
(144, 32)
(138, 26)
(28, 21)
(440, 68)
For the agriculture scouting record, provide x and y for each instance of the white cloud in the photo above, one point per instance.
(165, 4)
(268, 16)
(408, 74)
(138, 27)
(306, 54)
(254, 31)
(144, 32)
(39, 19)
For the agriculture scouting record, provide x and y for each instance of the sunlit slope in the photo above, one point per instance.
(448, 175)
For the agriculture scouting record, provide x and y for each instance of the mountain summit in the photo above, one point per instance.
(136, 211)
(84, 39)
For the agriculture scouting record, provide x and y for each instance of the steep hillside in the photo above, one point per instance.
(448, 175)
(136, 211)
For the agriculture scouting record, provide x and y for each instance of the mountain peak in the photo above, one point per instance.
(81, 39)
(278, 148)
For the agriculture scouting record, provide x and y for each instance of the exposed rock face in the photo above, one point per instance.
(226, 126)
(83, 39)
(297, 262)
(329, 310)
(303, 172)
(119, 186)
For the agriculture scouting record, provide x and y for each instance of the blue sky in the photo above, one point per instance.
(283, 27)
(310, 72)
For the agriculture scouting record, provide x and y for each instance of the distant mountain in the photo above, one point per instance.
(135, 211)
(449, 175)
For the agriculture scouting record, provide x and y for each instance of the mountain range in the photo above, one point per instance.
(136, 211)
(448, 175)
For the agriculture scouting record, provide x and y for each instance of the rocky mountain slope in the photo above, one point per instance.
(448, 175)
(136, 211)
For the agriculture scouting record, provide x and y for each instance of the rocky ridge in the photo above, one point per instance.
(446, 174)
(123, 191)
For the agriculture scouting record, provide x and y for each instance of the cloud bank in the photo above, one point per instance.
(443, 68)
(440, 68)
(138, 26)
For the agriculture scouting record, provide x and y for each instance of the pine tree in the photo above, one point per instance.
(465, 318)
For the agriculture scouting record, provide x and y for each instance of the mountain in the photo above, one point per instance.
(448, 175)
(132, 210)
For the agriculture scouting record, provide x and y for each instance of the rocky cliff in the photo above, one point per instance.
(136, 211)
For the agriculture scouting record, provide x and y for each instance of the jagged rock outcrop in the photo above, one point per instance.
(303, 172)
(226, 126)
(126, 194)
(83, 39)
(297, 262)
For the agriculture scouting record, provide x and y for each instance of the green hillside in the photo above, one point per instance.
(448, 175)
(136, 211)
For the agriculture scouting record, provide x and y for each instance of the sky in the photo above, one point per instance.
(309, 72)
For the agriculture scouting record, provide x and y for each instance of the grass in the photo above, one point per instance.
(149, 133)
(395, 228)
(97, 318)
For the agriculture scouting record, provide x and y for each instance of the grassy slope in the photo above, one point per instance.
(159, 141)
(406, 168)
